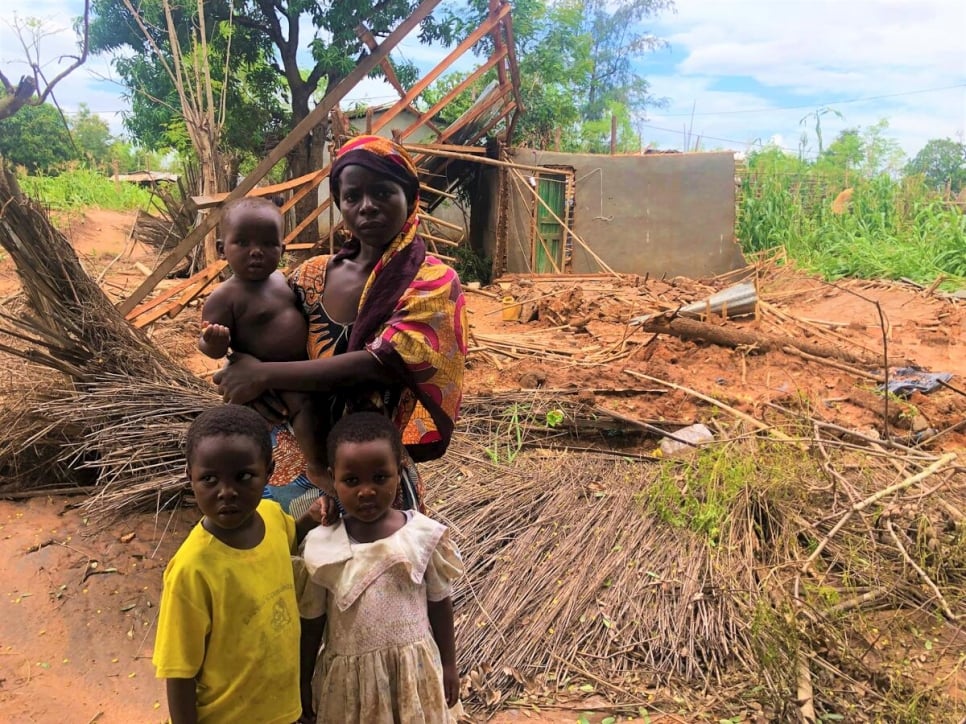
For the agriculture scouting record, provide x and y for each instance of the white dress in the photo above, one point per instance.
(380, 663)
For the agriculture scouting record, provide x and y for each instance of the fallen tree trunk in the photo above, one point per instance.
(691, 329)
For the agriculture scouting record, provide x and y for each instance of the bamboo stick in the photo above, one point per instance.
(439, 239)
(717, 403)
(439, 222)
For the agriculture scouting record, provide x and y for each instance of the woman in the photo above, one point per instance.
(387, 322)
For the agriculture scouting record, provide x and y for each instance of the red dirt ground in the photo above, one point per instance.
(79, 601)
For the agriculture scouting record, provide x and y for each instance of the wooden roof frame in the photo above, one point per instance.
(503, 104)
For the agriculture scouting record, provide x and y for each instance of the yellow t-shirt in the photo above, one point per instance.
(229, 619)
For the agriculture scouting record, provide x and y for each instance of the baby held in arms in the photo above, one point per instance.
(256, 312)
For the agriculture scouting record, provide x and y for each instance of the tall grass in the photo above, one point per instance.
(82, 188)
(891, 229)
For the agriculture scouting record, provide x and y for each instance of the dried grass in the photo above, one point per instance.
(590, 572)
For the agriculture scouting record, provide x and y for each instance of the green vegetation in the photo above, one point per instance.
(82, 188)
(942, 162)
(885, 226)
(36, 138)
(699, 493)
(472, 267)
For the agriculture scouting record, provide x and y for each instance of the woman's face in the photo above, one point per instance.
(373, 207)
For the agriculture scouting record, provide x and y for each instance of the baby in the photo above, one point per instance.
(256, 312)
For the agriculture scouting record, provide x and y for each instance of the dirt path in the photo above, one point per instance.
(77, 614)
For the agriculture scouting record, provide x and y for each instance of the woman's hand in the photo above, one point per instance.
(241, 380)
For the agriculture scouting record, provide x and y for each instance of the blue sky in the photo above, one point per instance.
(736, 73)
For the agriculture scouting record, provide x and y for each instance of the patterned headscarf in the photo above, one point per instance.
(381, 156)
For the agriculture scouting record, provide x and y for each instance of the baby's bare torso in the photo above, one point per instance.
(266, 319)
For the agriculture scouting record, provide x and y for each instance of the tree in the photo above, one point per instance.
(36, 138)
(883, 155)
(265, 90)
(34, 89)
(92, 136)
(577, 66)
(942, 162)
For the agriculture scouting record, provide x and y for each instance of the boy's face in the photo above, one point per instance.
(366, 477)
(228, 474)
(252, 242)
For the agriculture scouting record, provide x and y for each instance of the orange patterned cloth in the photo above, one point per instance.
(411, 317)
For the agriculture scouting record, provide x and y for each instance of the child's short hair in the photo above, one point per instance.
(363, 427)
(229, 420)
(252, 202)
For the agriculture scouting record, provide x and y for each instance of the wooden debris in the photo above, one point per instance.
(730, 337)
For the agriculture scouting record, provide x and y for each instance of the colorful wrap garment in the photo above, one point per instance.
(411, 318)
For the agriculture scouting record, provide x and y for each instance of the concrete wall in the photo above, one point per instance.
(661, 214)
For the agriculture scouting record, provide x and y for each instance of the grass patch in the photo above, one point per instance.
(891, 229)
(82, 188)
(700, 493)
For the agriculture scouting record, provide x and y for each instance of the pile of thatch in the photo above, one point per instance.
(749, 572)
(747, 577)
(103, 400)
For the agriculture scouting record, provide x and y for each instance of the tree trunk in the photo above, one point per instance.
(213, 181)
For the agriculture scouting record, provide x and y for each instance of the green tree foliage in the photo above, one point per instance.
(942, 163)
(239, 58)
(92, 137)
(268, 91)
(36, 138)
(845, 154)
(577, 67)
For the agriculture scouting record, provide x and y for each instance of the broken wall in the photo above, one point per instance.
(661, 214)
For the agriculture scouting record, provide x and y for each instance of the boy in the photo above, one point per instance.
(228, 628)
(255, 311)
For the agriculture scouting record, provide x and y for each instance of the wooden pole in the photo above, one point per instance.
(613, 134)
(317, 115)
(428, 150)
(414, 92)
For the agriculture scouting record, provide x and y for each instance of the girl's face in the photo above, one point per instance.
(366, 477)
(374, 208)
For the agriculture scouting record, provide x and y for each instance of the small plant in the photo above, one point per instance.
(508, 440)
(472, 267)
(555, 418)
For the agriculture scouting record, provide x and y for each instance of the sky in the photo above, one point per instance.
(735, 74)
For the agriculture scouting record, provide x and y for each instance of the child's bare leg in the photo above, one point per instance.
(311, 441)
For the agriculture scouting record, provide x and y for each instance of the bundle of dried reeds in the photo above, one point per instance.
(70, 326)
(612, 575)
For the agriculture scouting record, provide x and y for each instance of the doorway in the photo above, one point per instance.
(550, 243)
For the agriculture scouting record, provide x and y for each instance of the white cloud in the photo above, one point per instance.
(812, 54)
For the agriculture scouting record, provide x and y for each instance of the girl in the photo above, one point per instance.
(383, 579)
